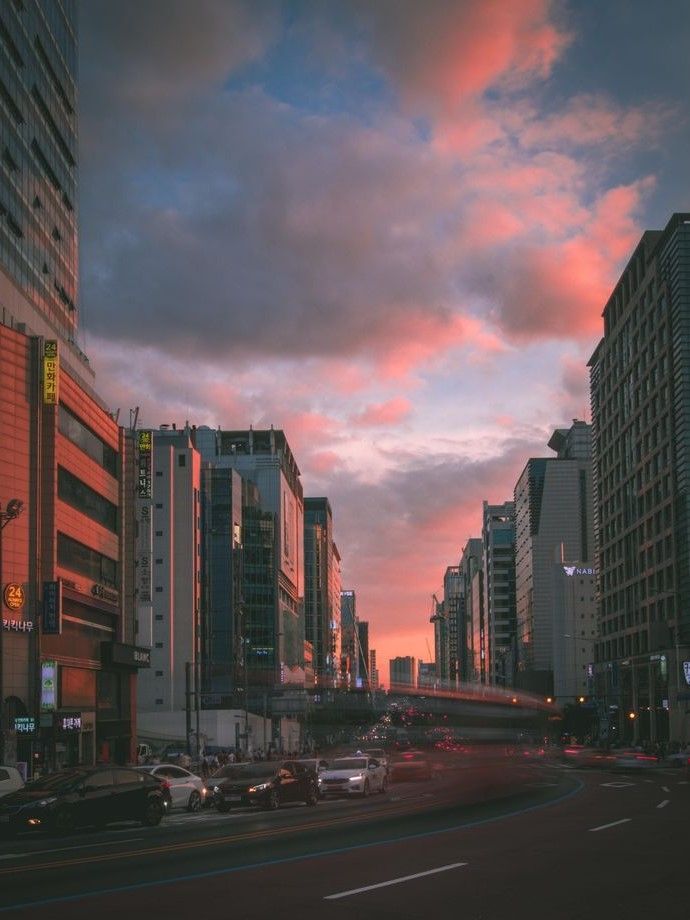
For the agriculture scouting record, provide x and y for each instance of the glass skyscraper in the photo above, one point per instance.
(38, 159)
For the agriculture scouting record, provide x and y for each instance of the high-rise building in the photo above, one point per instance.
(363, 654)
(640, 389)
(175, 572)
(471, 612)
(439, 619)
(426, 675)
(68, 560)
(373, 670)
(402, 672)
(554, 524)
(452, 604)
(38, 164)
(322, 591)
(498, 558)
(264, 458)
(349, 659)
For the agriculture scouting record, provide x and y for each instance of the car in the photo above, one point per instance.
(352, 776)
(580, 755)
(380, 755)
(184, 789)
(317, 764)
(10, 780)
(680, 758)
(265, 784)
(412, 765)
(83, 796)
(633, 759)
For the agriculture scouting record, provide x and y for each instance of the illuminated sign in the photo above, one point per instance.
(686, 671)
(571, 570)
(51, 373)
(69, 723)
(130, 656)
(49, 686)
(13, 596)
(105, 594)
(24, 725)
(144, 481)
(25, 626)
(52, 608)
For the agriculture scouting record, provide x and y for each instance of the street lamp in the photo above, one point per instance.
(13, 509)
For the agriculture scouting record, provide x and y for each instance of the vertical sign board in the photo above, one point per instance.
(49, 673)
(51, 624)
(51, 373)
(144, 539)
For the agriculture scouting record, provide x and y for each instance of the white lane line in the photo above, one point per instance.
(617, 785)
(393, 881)
(665, 789)
(663, 804)
(13, 856)
(603, 827)
(683, 782)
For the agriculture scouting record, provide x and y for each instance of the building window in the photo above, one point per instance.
(159, 617)
(159, 673)
(159, 702)
(181, 460)
(159, 533)
(159, 472)
(82, 497)
(159, 505)
(159, 562)
(85, 439)
(159, 590)
(86, 561)
(159, 645)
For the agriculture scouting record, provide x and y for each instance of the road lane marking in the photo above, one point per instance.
(13, 856)
(84, 846)
(393, 881)
(663, 804)
(665, 789)
(603, 827)
(617, 785)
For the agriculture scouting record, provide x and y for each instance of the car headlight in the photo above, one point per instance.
(216, 788)
(262, 787)
(45, 802)
(356, 779)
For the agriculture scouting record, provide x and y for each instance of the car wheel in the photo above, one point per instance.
(152, 814)
(365, 791)
(223, 808)
(312, 796)
(63, 821)
(272, 800)
(194, 803)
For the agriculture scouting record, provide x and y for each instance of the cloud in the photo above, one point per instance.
(391, 412)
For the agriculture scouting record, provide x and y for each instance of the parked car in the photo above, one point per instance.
(412, 765)
(10, 780)
(266, 784)
(184, 789)
(353, 776)
(83, 796)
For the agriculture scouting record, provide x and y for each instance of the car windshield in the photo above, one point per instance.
(246, 771)
(350, 763)
(56, 781)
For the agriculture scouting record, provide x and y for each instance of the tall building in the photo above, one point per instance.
(67, 659)
(640, 389)
(175, 571)
(264, 458)
(439, 619)
(38, 164)
(349, 659)
(363, 680)
(471, 612)
(452, 605)
(322, 591)
(554, 524)
(402, 673)
(498, 539)
(373, 670)
(426, 675)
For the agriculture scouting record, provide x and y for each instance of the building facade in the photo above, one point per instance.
(471, 612)
(640, 391)
(322, 591)
(452, 605)
(403, 674)
(349, 659)
(363, 680)
(498, 558)
(554, 523)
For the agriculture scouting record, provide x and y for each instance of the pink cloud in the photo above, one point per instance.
(322, 462)
(391, 412)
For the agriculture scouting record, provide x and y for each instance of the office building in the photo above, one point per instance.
(439, 620)
(363, 679)
(426, 675)
(554, 524)
(452, 606)
(349, 658)
(640, 390)
(498, 562)
(373, 670)
(471, 613)
(402, 671)
(322, 591)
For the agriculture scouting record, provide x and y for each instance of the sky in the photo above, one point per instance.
(388, 228)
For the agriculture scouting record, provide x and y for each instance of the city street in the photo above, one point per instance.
(568, 844)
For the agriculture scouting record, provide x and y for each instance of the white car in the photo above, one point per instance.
(186, 789)
(353, 776)
(10, 780)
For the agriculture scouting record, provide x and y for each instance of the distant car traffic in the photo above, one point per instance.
(81, 796)
(580, 755)
(10, 780)
(353, 776)
(184, 789)
(633, 759)
(265, 784)
(412, 765)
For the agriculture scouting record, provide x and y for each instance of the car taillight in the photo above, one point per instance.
(165, 784)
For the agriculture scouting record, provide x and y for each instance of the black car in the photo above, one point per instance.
(83, 796)
(265, 784)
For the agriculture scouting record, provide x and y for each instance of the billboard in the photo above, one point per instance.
(51, 373)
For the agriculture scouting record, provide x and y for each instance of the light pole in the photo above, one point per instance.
(13, 509)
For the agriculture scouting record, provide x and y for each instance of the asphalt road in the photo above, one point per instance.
(565, 844)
